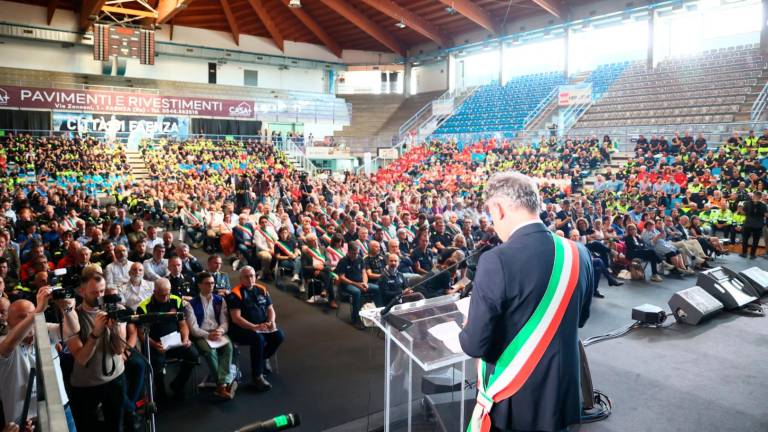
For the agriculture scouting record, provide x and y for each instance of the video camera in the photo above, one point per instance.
(62, 287)
(109, 304)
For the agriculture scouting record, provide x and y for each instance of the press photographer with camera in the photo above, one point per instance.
(97, 376)
(17, 353)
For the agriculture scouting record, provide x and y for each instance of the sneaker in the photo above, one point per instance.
(295, 278)
(207, 383)
(232, 388)
(656, 278)
(312, 299)
(221, 391)
(302, 290)
(688, 271)
(261, 384)
(667, 265)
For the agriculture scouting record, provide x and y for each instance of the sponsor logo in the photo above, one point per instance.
(242, 110)
(4, 97)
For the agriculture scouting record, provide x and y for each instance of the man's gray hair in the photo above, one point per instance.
(516, 187)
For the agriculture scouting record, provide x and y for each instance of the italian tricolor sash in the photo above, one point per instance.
(284, 247)
(246, 230)
(265, 233)
(363, 246)
(316, 254)
(411, 233)
(523, 354)
(337, 253)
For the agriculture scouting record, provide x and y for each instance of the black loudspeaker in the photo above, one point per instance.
(693, 305)
(728, 287)
(211, 73)
(756, 277)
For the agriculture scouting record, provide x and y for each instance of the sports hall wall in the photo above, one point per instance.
(20, 53)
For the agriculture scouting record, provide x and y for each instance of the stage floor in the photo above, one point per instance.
(682, 378)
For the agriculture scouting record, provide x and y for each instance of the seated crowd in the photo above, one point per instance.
(348, 238)
(73, 163)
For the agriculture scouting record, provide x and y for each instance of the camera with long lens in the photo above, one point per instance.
(110, 304)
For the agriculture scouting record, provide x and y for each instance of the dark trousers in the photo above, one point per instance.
(85, 403)
(134, 377)
(263, 346)
(325, 284)
(188, 356)
(602, 251)
(748, 232)
(646, 255)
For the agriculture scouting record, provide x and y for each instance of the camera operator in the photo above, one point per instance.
(162, 301)
(17, 354)
(97, 374)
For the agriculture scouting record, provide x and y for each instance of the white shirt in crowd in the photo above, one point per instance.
(116, 274)
(133, 294)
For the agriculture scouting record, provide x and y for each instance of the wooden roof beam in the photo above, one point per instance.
(88, 9)
(552, 6)
(410, 19)
(261, 11)
(474, 13)
(363, 23)
(167, 9)
(52, 5)
(315, 28)
(231, 21)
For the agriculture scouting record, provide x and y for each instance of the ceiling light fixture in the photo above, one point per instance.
(450, 10)
(294, 4)
(400, 24)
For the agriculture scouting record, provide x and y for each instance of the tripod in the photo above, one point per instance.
(150, 407)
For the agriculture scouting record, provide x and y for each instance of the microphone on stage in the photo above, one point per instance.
(153, 317)
(279, 423)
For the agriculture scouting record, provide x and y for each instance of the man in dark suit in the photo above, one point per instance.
(511, 283)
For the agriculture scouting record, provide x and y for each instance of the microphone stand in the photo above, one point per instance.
(150, 407)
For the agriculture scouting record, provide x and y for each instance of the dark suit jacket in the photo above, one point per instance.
(510, 283)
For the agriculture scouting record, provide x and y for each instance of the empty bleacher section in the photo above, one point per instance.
(502, 108)
(405, 111)
(710, 88)
(272, 104)
(603, 77)
(369, 112)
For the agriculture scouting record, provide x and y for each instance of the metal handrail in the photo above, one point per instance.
(540, 107)
(759, 105)
(288, 147)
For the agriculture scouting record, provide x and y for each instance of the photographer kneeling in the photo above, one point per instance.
(97, 376)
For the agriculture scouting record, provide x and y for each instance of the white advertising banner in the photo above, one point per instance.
(576, 94)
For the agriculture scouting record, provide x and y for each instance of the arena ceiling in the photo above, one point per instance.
(376, 25)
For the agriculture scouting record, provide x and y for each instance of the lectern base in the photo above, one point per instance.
(445, 409)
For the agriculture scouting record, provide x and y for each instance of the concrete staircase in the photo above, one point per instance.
(138, 166)
(369, 114)
(618, 161)
(405, 111)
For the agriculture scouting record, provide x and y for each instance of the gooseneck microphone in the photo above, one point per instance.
(279, 423)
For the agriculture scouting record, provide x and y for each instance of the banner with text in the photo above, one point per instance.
(576, 94)
(123, 103)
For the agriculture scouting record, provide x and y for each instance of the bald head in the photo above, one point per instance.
(19, 310)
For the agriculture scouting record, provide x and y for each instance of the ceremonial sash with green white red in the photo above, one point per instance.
(363, 246)
(284, 247)
(316, 254)
(523, 354)
(267, 236)
(337, 253)
(246, 230)
(411, 233)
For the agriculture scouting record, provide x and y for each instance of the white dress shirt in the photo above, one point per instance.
(134, 294)
(116, 274)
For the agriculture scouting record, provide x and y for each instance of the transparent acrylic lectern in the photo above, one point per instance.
(439, 393)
